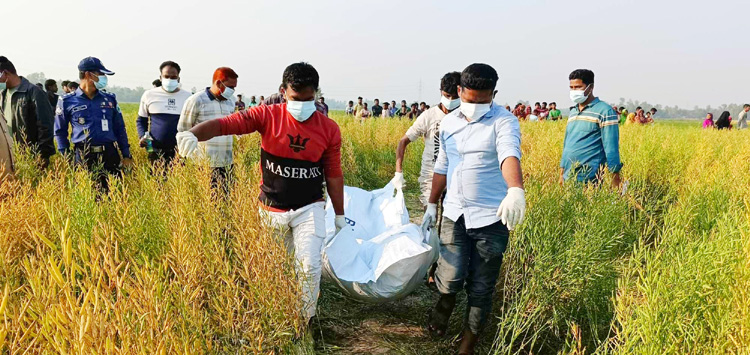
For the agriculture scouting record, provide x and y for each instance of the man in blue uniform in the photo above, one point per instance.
(98, 129)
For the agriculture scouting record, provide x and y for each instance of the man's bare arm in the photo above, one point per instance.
(207, 130)
(335, 188)
(400, 152)
(438, 185)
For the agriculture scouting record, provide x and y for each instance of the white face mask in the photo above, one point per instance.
(169, 85)
(474, 111)
(449, 104)
(579, 96)
(300, 110)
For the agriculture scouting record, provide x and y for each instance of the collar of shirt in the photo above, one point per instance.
(575, 107)
(80, 93)
(210, 94)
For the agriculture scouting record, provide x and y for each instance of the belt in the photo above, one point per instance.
(91, 148)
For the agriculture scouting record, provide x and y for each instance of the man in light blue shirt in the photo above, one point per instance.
(592, 137)
(479, 161)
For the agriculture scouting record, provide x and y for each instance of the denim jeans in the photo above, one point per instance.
(471, 259)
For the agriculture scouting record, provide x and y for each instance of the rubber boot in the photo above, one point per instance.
(468, 343)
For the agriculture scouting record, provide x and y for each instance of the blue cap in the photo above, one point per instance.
(93, 64)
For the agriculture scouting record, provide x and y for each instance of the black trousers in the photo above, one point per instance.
(102, 161)
(221, 179)
(162, 153)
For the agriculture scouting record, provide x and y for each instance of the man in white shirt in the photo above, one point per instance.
(479, 162)
(742, 117)
(427, 126)
(159, 113)
(214, 102)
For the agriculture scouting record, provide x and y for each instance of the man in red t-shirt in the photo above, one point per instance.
(300, 149)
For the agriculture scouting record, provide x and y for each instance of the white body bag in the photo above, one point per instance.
(379, 256)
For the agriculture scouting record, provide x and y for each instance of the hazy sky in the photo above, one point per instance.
(670, 52)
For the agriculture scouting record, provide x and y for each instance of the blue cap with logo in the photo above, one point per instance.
(93, 65)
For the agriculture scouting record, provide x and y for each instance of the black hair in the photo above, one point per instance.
(377, 100)
(65, 83)
(351, 102)
(638, 108)
(653, 109)
(73, 85)
(156, 83)
(536, 103)
(81, 75)
(386, 103)
(403, 101)
(479, 76)
(415, 104)
(6, 65)
(544, 103)
(723, 121)
(49, 83)
(449, 83)
(585, 75)
(322, 98)
(359, 98)
(553, 103)
(423, 103)
(622, 108)
(299, 76)
(172, 64)
(745, 105)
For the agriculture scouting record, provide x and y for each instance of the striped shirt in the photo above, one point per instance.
(592, 139)
(201, 107)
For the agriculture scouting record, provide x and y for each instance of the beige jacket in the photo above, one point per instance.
(6, 151)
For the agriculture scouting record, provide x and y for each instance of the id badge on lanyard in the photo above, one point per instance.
(105, 123)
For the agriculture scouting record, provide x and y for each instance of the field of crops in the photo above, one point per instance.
(163, 266)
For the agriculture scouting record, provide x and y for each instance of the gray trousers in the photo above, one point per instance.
(471, 259)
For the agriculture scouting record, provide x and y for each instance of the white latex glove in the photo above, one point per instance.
(430, 215)
(187, 143)
(513, 208)
(340, 222)
(398, 180)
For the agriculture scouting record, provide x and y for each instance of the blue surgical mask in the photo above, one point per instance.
(170, 85)
(579, 96)
(228, 92)
(102, 83)
(300, 110)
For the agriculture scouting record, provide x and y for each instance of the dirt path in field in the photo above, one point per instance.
(346, 326)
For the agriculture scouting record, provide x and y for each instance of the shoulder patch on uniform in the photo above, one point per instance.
(118, 109)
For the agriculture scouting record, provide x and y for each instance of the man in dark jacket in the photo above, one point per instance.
(50, 86)
(26, 109)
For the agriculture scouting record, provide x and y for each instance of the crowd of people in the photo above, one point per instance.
(470, 168)
(387, 110)
(540, 112)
